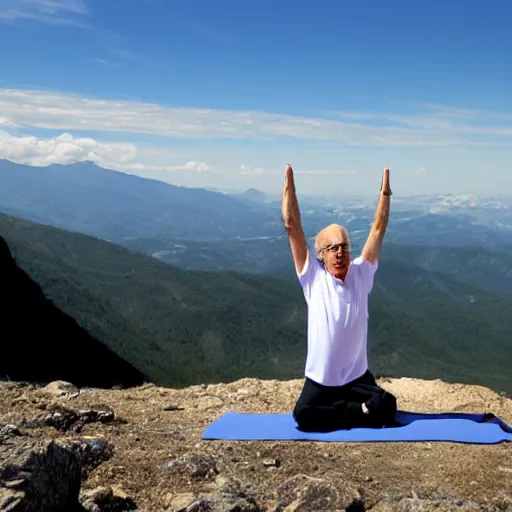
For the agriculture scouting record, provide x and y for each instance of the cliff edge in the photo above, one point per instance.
(42, 343)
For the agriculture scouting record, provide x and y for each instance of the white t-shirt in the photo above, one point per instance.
(337, 320)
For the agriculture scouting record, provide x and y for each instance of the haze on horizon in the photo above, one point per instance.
(200, 96)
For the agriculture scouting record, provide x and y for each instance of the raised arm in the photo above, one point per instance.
(371, 249)
(292, 223)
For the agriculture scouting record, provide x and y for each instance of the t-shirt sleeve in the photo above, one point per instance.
(366, 272)
(309, 273)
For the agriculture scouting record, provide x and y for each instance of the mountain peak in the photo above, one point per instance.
(253, 194)
(159, 430)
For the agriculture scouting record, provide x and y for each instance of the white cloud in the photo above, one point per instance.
(55, 12)
(189, 166)
(66, 149)
(443, 120)
(5, 122)
(68, 112)
(465, 113)
(197, 166)
(247, 169)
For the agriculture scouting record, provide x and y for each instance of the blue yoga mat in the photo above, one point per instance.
(454, 427)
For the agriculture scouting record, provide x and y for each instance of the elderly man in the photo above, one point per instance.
(339, 390)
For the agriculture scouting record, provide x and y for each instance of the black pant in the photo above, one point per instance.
(327, 408)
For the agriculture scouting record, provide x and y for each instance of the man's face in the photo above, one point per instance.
(335, 251)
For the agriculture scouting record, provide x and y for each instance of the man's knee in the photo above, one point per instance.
(384, 406)
(304, 418)
(298, 413)
(389, 407)
(389, 402)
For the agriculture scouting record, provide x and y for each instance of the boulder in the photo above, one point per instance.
(46, 475)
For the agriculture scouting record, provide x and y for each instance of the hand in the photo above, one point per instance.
(289, 183)
(292, 223)
(290, 207)
(385, 188)
(288, 190)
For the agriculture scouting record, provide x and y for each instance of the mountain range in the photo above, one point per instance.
(466, 238)
(121, 207)
(117, 206)
(181, 327)
(191, 285)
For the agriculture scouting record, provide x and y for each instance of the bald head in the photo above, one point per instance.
(332, 234)
(332, 247)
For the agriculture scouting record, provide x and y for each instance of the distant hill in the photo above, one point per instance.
(251, 194)
(479, 267)
(187, 327)
(465, 238)
(40, 343)
(116, 206)
(128, 209)
(475, 265)
(177, 327)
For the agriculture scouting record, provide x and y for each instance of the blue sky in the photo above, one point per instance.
(223, 94)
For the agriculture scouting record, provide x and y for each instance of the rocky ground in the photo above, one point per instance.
(141, 449)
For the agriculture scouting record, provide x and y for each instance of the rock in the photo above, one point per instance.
(106, 499)
(40, 476)
(228, 498)
(179, 501)
(63, 419)
(503, 503)
(303, 493)
(45, 476)
(103, 415)
(242, 476)
(8, 431)
(92, 451)
(232, 498)
(19, 400)
(173, 407)
(437, 504)
(271, 463)
(60, 388)
(199, 505)
(209, 401)
(194, 465)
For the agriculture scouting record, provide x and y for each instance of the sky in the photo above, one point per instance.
(224, 94)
